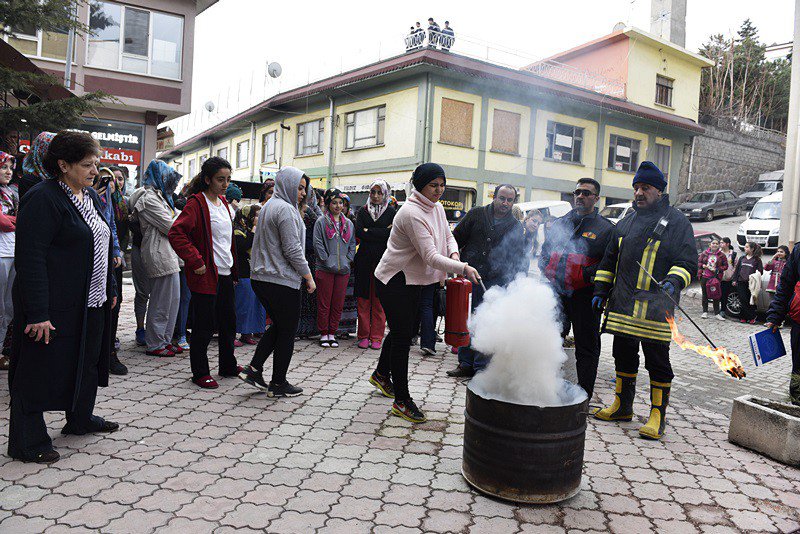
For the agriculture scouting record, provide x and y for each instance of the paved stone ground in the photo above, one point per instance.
(332, 460)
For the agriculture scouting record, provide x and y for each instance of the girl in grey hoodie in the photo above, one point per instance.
(277, 267)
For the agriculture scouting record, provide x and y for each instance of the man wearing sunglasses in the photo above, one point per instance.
(573, 247)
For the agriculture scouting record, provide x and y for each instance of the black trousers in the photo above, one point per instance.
(27, 431)
(401, 304)
(727, 287)
(283, 307)
(115, 310)
(704, 297)
(794, 338)
(208, 312)
(578, 312)
(656, 358)
(748, 310)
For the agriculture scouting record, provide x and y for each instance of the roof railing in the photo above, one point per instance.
(578, 77)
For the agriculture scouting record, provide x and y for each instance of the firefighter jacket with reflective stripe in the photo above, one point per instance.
(662, 240)
(572, 250)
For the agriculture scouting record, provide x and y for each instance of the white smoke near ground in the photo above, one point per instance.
(518, 327)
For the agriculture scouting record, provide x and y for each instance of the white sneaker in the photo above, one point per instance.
(704, 316)
(720, 317)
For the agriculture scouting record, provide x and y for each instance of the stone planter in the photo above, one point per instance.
(768, 427)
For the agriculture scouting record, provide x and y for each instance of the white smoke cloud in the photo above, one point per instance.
(517, 325)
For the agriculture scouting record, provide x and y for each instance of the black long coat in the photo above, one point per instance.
(373, 236)
(54, 257)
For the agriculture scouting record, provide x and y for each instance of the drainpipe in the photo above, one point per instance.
(280, 154)
(691, 161)
(425, 130)
(253, 151)
(331, 145)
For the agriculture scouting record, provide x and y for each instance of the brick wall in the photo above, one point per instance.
(729, 160)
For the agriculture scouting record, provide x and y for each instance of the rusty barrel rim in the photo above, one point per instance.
(527, 499)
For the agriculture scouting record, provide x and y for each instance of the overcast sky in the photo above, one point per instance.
(312, 39)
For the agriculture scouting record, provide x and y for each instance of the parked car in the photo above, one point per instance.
(768, 183)
(617, 212)
(709, 204)
(733, 307)
(703, 238)
(763, 224)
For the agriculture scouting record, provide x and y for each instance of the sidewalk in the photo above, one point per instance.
(333, 460)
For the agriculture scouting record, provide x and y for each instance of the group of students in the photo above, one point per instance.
(721, 273)
(444, 37)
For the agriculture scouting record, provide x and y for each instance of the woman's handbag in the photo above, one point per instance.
(713, 289)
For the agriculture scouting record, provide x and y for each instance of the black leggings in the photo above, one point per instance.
(208, 312)
(283, 307)
(401, 304)
(748, 310)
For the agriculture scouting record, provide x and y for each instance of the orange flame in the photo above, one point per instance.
(727, 361)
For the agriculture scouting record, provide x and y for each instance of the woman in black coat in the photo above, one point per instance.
(63, 296)
(373, 224)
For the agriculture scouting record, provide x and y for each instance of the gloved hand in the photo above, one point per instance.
(668, 288)
(598, 303)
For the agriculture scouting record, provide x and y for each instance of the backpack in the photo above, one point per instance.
(713, 289)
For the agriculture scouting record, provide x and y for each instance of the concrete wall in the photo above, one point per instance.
(728, 160)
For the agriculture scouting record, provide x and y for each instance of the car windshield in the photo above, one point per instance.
(766, 186)
(766, 210)
(612, 212)
(702, 197)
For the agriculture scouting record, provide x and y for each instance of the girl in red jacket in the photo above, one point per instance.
(776, 265)
(9, 201)
(711, 265)
(202, 236)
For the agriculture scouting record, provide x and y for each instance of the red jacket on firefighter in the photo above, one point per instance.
(573, 247)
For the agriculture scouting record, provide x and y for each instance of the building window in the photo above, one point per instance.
(242, 154)
(456, 124)
(223, 153)
(32, 42)
(364, 128)
(135, 40)
(662, 158)
(564, 142)
(268, 141)
(505, 132)
(203, 159)
(192, 172)
(663, 91)
(623, 153)
(309, 137)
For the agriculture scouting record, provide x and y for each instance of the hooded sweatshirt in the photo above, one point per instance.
(278, 254)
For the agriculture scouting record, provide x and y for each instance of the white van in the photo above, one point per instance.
(763, 224)
(616, 212)
(548, 208)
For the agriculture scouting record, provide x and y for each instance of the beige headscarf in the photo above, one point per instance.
(376, 210)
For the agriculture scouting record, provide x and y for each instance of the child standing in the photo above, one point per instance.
(747, 265)
(712, 264)
(776, 265)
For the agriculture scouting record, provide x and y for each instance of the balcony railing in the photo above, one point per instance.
(430, 38)
(578, 77)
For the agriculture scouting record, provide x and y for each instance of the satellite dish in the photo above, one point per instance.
(619, 26)
(209, 106)
(274, 69)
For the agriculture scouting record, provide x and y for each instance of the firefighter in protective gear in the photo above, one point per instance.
(661, 239)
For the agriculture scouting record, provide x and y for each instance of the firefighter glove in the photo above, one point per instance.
(668, 288)
(597, 303)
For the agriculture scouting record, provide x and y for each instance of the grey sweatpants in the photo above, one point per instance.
(7, 275)
(165, 299)
(141, 283)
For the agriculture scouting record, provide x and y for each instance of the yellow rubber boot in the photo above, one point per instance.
(622, 407)
(659, 397)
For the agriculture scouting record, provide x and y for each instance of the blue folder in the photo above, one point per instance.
(767, 346)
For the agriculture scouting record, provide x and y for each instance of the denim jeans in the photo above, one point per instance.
(183, 308)
(427, 326)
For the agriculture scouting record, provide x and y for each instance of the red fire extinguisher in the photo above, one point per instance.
(459, 300)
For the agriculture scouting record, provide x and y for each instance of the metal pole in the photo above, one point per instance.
(791, 182)
(70, 47)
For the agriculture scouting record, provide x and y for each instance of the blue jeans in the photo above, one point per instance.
(467, 356)
(183, 308)
(427, 327)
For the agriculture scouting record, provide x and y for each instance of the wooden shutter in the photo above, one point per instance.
(505, 132)
(456, 125)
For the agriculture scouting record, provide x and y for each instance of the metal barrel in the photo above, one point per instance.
(527, 454)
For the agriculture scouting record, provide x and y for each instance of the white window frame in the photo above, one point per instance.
(320, 138)
(149, 43)
(38, 40)
(191, 166)
(550, 136)
(264, 152)
(219, 152)
(351, 121)
(669, 89)
(632, 164)
(239, 145)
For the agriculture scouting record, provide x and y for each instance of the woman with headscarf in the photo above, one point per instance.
(9, 201)
(335, 246)
(373, 224)
(250, 314)
(152, 207)
(33, 170)
(310, 212)
(65, 287)
(421, 251)
(119, 203)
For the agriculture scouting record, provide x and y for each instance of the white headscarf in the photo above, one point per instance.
(376, 210)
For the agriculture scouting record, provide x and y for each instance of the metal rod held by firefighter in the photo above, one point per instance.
(661, 287)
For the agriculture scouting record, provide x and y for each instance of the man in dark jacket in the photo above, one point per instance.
(777, 314)
(574, 246)
(491, 240)
(448, 36)
(660, 238)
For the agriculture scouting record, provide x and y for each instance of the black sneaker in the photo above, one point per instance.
(408, 411)
(384, 385)
(115, 367)
(251, 376)
(461, 372)
(283, 390)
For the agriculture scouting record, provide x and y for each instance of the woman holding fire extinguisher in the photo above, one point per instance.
(421, 250)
